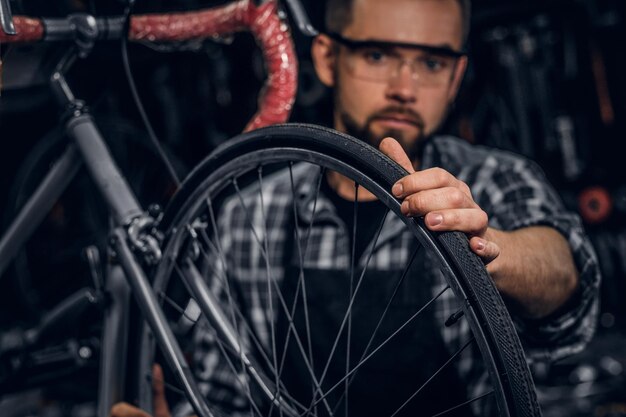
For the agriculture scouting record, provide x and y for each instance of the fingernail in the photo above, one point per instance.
(397, 189)
(480, 244)
(404, 208)
(435, 219)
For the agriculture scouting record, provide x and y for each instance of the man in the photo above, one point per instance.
(399, 107)
(395, 67)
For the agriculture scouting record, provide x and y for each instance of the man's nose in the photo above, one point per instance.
(402, 85)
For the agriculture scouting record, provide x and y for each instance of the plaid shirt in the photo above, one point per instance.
(512, 190)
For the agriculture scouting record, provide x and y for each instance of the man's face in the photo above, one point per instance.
(407, 104)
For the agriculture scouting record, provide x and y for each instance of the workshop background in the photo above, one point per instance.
(547, 79)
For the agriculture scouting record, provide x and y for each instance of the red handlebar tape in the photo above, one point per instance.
(271, 33)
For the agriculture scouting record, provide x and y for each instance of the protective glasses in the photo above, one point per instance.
(381, 61)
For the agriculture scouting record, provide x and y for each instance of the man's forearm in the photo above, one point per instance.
(535, 270)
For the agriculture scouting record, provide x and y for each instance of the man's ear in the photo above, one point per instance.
(457, 78)
(324, 56)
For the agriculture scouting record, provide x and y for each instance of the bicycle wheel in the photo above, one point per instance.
(266, 351)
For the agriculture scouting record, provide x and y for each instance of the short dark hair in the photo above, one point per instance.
(339, 15)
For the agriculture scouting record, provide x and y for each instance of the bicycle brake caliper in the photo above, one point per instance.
(144, 238)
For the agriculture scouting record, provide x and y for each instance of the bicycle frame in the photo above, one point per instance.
(131, 225)
(132, 241)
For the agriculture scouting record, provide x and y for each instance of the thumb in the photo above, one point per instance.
(391, 148)
(161, 409)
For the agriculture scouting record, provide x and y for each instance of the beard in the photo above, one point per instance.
(412, 144)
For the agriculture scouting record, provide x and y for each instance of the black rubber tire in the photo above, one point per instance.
(488, 317)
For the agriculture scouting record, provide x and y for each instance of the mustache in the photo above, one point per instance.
(404, 113)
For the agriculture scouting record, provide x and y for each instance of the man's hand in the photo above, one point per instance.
(445, 202)
(161, 409)
(536, 271)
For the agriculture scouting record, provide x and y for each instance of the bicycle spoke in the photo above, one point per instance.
(301, 285)
(183, 313)
(352, 266)
(305, 304)
(362, 362)
(269, 278)
(393, 296)
(441, 368)
(248, 219)
(352, 298)
(245, 385)
(222, 258)
(298, 340)
(302, 254)
(463, 404)
(234, 352)
(226, 284)
(284, 393)
(268, 318)
(318, 187)
(280, 296)
(287, 339)
(150, 379)
(382, 317)
(244, 382)
(236, 311)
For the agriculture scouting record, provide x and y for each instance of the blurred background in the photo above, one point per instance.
(547, 79)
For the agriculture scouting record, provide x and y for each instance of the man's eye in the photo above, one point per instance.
(375, 57)
(433, 64)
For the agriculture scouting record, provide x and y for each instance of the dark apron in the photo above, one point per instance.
(396, 371)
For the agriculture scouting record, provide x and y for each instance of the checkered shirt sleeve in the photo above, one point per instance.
(515, 194)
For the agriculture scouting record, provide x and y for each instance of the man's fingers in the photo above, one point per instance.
(438, 199)
(428, 179)
(161, 408)
(487, 250)
(127, 410)
(469, 221)
(391, 148)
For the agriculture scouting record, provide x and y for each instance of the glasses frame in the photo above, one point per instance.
(354, 44)
(374, 43)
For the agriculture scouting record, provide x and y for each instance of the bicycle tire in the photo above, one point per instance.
(486, 313)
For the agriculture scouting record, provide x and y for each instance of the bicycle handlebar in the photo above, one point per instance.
(263, 21)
